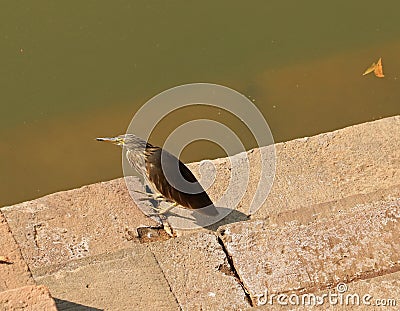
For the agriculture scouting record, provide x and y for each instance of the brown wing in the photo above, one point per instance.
(187, 192)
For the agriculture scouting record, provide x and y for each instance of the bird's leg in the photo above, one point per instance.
(143, 192)
(149, 196)
(162, 211)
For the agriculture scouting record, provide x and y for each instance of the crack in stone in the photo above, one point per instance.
(235, 273)
(166, 279)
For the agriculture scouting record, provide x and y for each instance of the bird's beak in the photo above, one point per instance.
(115, 140)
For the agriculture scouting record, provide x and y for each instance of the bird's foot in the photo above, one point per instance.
(168, 229)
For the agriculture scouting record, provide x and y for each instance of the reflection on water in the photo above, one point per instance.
(71, 74)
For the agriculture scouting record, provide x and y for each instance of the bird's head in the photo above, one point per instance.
(118, 140)
(126, 140)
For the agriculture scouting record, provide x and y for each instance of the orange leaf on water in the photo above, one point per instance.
(370, 69)
(376, 68)
(378, 71)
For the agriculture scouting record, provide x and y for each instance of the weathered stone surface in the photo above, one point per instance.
(378, 293)
(72, 224)
(355, 160)
(14, 272)
(129, 279)
(311, 213)
(382, 292)
(198, 273)
(359, 244)
(27, 298)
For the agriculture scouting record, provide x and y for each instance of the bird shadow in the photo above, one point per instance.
(232, 217)
(198, 220)
(228, 216)
(182, 218)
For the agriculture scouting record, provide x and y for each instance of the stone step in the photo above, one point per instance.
(102, 217)
(292, 257)
(357, 247)
(128, 279)
(188, 273)
(324, 183)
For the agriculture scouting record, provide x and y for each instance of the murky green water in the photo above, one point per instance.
(75, 70)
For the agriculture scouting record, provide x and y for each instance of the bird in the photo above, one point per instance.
(168, 178)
